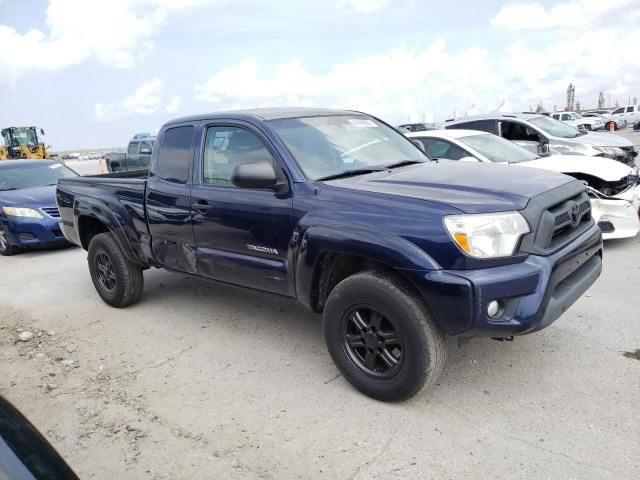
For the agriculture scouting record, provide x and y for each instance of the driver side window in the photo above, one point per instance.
(518, 131)
(227, 147)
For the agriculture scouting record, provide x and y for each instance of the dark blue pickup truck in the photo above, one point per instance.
(342, 212)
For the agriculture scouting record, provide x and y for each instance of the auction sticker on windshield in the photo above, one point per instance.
(363, 123)
(55, 165)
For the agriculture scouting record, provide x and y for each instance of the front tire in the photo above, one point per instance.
(6, 249)
(382, 337)
(118, 281)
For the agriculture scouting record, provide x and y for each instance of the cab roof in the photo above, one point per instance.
(266, 114)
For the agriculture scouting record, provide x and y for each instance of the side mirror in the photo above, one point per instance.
(543, 149)
(419, 144)
(42, 131)
(254, 175)
(468, 159)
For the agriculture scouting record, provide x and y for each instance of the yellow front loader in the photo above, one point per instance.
(23, 143)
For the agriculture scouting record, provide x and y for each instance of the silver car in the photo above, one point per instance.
(542, 134)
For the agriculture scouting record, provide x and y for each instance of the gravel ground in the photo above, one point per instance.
(201, 380)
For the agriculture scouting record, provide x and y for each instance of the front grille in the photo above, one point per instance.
(52, 212)
(556, 218)
(570, 216)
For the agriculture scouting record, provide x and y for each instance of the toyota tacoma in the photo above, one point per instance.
(340, 211)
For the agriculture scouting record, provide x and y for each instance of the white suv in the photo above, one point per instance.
(576, 120)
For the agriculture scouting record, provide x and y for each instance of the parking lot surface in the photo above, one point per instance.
(201, 380)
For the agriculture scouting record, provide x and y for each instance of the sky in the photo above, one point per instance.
(92, 73)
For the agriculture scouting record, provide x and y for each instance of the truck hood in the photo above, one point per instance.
(603, 139)
(469, 187)
(604, 168)
(36, 197)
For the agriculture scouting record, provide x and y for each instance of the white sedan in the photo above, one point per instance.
(614, 187)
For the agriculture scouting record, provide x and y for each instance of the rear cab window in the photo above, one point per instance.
(133, 148)
(174, 157)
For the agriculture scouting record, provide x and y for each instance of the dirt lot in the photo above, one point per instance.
(201, 380)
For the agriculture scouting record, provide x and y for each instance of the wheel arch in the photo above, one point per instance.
(90, 224)
(329, 255)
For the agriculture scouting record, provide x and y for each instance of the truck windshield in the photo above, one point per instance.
(329, 146)
(30, 176)
(497, 149)
(555, 127)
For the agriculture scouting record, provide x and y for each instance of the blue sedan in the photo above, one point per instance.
(28, 212)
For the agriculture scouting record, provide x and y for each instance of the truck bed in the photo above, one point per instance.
(116, 199)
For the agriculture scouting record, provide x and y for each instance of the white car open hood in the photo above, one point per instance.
(605, 168)
(603, 139)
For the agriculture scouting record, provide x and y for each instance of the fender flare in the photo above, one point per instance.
(390, 250)
(88, 207)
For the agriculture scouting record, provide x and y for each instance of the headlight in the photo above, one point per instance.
(611, 152)
(487, 235)
(21, 212)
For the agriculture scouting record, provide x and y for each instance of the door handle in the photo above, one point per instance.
(201, 205)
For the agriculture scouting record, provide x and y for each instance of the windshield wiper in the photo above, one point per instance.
(351, 173)
(405, 162)
(7, 189)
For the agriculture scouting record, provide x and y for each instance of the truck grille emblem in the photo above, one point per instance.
(575, 214)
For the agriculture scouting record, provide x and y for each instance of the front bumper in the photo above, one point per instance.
(534, 293)
(27, 232)
(618, 216)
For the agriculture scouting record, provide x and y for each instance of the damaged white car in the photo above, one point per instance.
(613, 186)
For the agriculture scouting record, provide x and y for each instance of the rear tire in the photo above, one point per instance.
(118, 281)
(6, 249)
(382, 337)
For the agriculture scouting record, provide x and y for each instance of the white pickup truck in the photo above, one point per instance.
(576, 120)
(630, 113)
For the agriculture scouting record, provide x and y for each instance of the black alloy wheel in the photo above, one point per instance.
(118, 280)
(382, 337)
(105, 271)
(372, 342)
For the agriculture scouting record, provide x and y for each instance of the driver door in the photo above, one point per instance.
(522, 135)
(242, 234)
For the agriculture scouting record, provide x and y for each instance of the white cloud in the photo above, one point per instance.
(440, 80)
(173, 106)
(114, 32)
(146, 99)
(574, 15)
(363, 6)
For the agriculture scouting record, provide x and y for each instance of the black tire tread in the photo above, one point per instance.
(132, 278)
(435, 348)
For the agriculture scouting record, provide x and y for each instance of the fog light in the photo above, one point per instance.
(494, 309)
